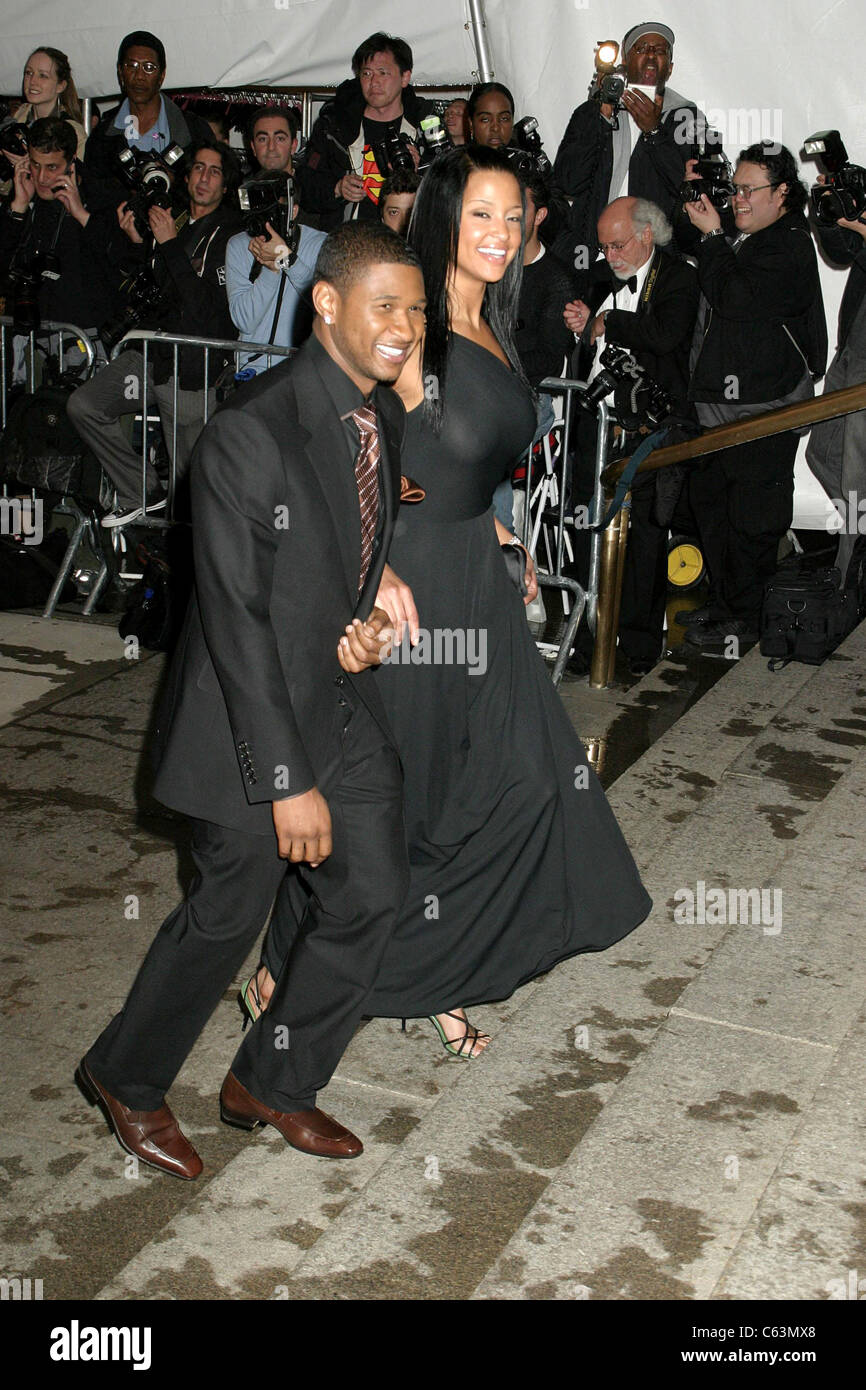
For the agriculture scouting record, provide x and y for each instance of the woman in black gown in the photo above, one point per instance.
(516, 859)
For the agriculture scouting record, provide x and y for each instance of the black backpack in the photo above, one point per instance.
(807, 612)
(40, 447)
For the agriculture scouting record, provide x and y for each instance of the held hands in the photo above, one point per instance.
(303, 827)
(366, 644)
(397, 600)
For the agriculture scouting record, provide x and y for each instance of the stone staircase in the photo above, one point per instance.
(678, 1117)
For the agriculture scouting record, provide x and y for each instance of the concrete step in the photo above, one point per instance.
(564, 1049)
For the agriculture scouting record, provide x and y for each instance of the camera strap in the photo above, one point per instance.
(644, 449)
(273, 333)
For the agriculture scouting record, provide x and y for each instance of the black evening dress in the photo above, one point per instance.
(516, 858)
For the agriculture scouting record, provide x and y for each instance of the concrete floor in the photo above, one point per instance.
(677, 1119)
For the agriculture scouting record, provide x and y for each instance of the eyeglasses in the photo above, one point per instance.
(605, 246)
(660, 49)
(744, 190)
(133, 65)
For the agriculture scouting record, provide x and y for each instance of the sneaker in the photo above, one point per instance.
(688, 617)
(715, 638)
(124, 518)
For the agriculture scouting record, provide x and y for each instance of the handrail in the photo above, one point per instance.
(785, 417)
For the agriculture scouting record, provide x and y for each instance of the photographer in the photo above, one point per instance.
(760, 339)
(268, 286)
(342, 177)
(640, 150)
(145, 118)
(643, 297)
(183, 264)
(52, 235)
(837, 448)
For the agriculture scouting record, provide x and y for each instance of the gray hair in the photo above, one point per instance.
(647, 214)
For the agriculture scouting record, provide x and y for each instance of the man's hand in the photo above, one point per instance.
(691, 170)
(365, 644)
(303, 826)
(126, 219)
(269, 251)
(703, 215)
(597, 330)
(576, 315)
(646, 114)
(66, 191)
(397, 600)
(24, 188)
(162, 225)
(350, 187)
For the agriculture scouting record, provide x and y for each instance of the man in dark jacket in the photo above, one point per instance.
(56, 211)
(145, 118)
(760, 340)
(642, 297)
(340, 174)
(187, 262)
(641, 150)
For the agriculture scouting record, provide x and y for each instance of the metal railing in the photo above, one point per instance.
(585, 599)
(222, 347)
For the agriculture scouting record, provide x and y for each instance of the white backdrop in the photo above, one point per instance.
(775, 68)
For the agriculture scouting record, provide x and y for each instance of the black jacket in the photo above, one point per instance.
(541, 335)
(191, 270)
(106, 142)
(765, 320)
(584, 166)
(251, 687)
(844, 247)
(88, 290)
(659, 331)
(326, 159)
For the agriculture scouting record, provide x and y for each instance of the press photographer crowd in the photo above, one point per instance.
(677, 279)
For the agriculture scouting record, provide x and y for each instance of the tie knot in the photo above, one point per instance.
(365, 419)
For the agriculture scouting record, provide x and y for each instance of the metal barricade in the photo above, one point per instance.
(584, 600)
(140, 339)
(52, 338)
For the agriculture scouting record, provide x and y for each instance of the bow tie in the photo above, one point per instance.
(629, 284)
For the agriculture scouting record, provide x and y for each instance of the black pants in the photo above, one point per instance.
(354, 898)
(743, 500)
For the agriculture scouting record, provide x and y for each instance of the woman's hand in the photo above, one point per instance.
(398, 602)
(366, 644)
(530, 577)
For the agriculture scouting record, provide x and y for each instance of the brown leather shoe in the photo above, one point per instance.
(153, 1136)
(311, 1131)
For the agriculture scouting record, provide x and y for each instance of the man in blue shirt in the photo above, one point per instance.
(253, 300)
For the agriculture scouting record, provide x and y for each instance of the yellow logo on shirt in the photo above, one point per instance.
(373, 180)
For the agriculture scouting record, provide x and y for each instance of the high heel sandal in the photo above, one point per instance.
(457, 1046)
(250, 1001)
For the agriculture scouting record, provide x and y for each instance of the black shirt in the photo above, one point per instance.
(542, 338)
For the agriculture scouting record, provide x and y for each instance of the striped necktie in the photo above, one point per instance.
(367, 478)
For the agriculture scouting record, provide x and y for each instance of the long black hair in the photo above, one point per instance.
(434, 232)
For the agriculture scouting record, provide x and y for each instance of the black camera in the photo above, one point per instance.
(150, 178)
(844, 193)
(13, 137)
(270, 198)
(715, 176)
(611, 78)
(392, 153)
(145, 299)
(433, 142)
(527, 141)
(28, 278)
(638, 398)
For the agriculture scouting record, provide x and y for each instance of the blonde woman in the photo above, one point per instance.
(48, 90)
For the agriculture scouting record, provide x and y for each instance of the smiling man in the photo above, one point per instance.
(273, 752)
(345, 162)
(640, 151)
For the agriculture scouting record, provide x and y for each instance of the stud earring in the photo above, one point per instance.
(328, 320)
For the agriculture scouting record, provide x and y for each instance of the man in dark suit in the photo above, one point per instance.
(643, 298)
(260, 731)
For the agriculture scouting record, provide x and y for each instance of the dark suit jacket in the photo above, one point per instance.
(659, 331)
(250, 712)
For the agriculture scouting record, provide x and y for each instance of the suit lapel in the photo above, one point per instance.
(326, 451)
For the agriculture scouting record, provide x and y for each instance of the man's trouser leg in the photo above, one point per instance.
(708, 498)
(760, 508)
(355, 898)
(645, 579)
(190, 421)
(96, 409)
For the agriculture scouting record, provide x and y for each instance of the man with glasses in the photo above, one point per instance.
(639, 151)
(760, 342)
(145, 118)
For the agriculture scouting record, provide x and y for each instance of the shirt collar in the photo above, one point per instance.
(342, 391)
